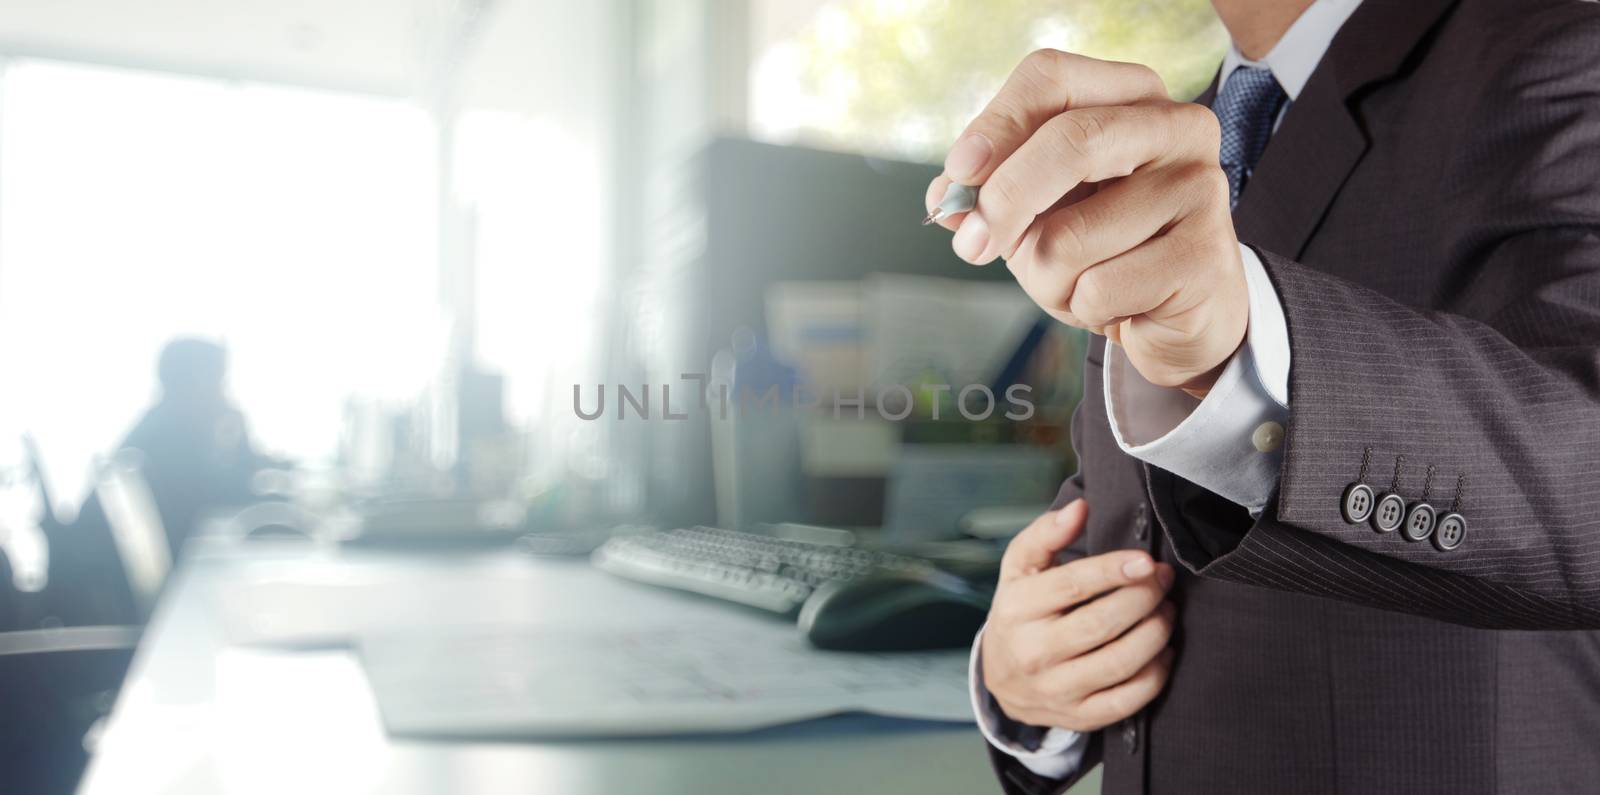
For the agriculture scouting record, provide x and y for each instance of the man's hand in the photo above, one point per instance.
(1082, 645)
(1108, 204)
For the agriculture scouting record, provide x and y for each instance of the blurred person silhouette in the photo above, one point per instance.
(197, 456)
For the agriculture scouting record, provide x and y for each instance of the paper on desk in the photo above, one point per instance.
(564, 682)
(554, 651)
(305, 613)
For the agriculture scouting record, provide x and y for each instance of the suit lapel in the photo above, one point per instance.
(1307, 161)
(1321, 140)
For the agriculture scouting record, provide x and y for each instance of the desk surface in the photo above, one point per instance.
(199, 714)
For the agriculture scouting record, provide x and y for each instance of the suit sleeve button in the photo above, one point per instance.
(1357, 503)
(1452, 531)
(1388, 513)
(1419, 522)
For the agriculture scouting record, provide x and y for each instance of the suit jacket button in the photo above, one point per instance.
(1130, 736)
(1388, 513)
(1141, 523)
(1419, 522)
(1452, 531)
(1357, 503)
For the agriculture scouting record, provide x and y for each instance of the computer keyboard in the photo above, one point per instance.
(775, 574)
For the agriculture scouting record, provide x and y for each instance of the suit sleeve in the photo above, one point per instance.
(1490, 410)
(1017, 779)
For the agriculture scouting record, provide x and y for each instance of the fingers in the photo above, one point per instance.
(1134, 283)
(1125, 656)
(1093, 689)
(1034, 549)
(1128, 697)
(1127, 250)
(1110, 221)
(1060, 589)
(936, 191)
(1081, 145)
(1046, 83)
(1105, 619)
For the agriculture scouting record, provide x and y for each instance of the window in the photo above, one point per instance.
(902, 77)
(296, 226)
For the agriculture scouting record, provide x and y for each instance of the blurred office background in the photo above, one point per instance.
(418, 226)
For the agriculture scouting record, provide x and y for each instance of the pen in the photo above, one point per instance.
(957, 199)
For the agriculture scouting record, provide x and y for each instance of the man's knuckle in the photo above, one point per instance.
(1211, 183)
(1069, 235)
(1082, 133)
(1094, 714)
(1195, 182)
(1096, 625)
(1121, 703)
(1070, 592)
(1032, 661)
(1057, 689)
(1047, 63)
(1017, 550)
(1094, 291)
(1067, 686)
(1002, 194)
(1006, 118)
(1003, 612)
(1126, 659)
(1187, 252)
(1150, 79)
(1202, 122)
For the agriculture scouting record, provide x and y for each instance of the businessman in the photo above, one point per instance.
(1336, 527)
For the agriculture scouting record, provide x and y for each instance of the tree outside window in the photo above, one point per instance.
(903, 77)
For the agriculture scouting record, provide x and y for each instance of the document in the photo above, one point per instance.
(572, 682)
(524, 648)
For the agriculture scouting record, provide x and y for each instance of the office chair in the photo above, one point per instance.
(136, 529)
(35, 462)
(108, 565)
(106, 569)
(55, 684)
(11, 611)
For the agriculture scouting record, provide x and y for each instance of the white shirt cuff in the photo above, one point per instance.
(1230, 443)
(1060, 752)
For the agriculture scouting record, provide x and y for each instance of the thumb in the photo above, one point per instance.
(1034, 549)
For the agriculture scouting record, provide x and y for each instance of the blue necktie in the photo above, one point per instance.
(1246, 107)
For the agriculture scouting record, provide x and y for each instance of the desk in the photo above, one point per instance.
(198, 715)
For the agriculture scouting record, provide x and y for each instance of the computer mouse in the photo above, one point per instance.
(894, 612)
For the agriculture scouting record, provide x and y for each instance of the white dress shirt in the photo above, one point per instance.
(1231, 442)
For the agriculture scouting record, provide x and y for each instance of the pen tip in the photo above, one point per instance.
(933, 216)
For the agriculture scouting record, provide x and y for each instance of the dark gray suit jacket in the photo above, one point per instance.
(1429, 211)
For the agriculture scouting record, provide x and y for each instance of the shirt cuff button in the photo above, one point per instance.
(1268, 437)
